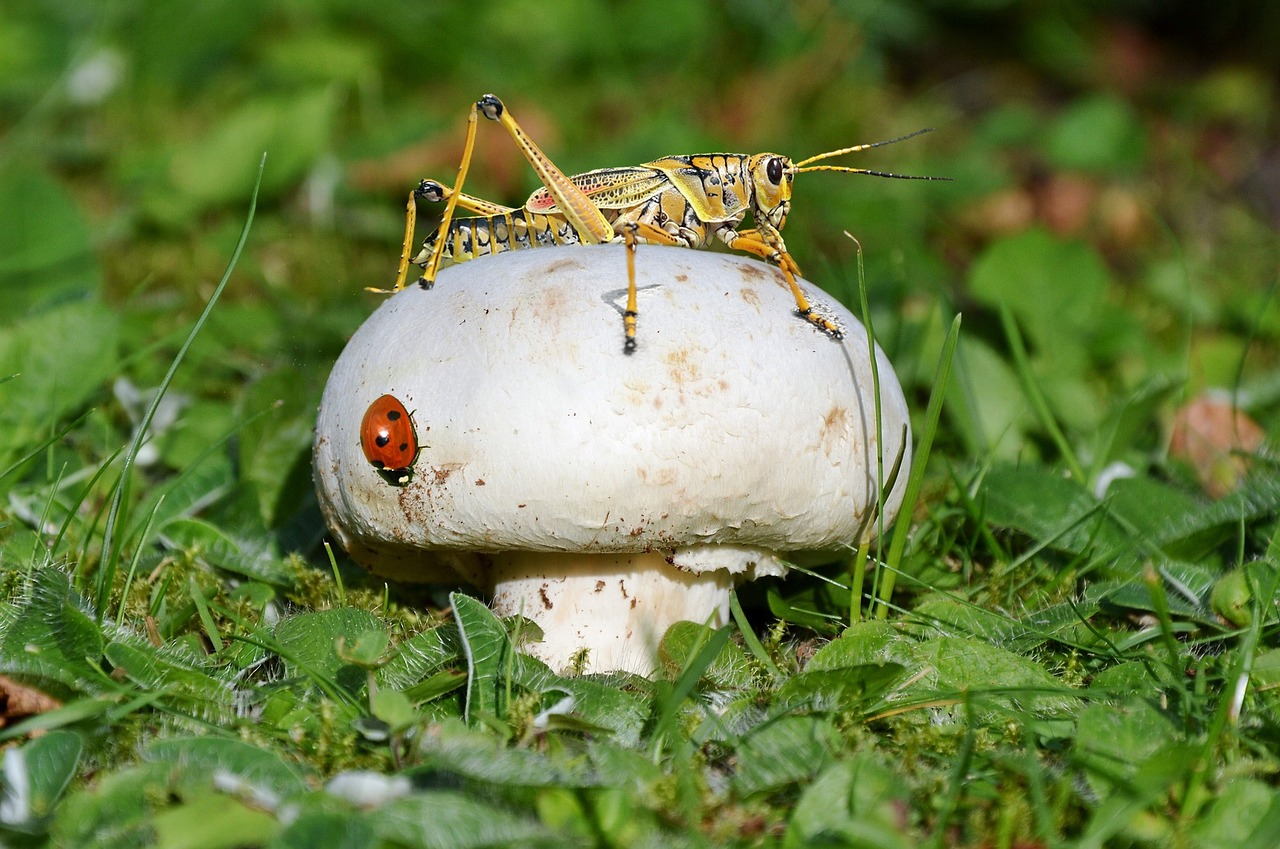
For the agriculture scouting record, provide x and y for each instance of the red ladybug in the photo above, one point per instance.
(388, 439)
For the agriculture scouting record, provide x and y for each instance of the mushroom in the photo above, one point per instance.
(602, 495)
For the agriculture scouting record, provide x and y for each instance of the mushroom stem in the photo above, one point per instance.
(616, 605)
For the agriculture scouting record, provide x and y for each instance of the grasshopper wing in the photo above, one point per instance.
(607, 188)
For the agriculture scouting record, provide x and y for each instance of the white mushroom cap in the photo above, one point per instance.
(734, 432)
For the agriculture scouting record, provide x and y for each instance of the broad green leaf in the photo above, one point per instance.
(364, 649)
(1099, 133)
(309, 643)
(115, 810)
(992, 677)
(52, 637)
(448, 820)
(1266, 669)
(275, 443)
(419, 656)
(595, 701)
(985, 402)
(1267, 834)
(434, 686)
(211, 544)
(862, 643)
(45, 242)
(487, 648)
(393, 708)
(786, 751)
(856, 802)
(318, 825)
(1114, 739)
(1187, 589)
(188, 826)
(481, 756)
(219, 166)
(1049, 508)
(188, 492)
(1192, 531)
(1055, 290)
(619, 765)
(43, 767)
(840, 688)
(1154, 779)
(60, 356)
(1241, 811)
(1021, 633)
(181, 675)
(200, 757)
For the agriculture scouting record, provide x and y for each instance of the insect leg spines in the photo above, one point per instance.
(584, 216)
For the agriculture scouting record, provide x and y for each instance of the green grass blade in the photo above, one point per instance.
(750, 639)
(683, 686)
(915, 481)
(1038, 403)
(109, 560)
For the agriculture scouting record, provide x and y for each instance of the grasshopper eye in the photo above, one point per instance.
(773, 170)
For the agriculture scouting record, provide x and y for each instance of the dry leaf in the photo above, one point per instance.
(1215, 438)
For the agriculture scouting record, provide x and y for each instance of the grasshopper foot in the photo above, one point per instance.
(826, 325)
(629, 323)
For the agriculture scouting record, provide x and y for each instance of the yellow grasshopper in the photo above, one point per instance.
(686, 201)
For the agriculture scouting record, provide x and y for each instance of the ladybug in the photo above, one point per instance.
(388, 440)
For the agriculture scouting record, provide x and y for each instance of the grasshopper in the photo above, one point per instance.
(686, 201)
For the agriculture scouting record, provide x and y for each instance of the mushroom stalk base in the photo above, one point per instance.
(617, 606)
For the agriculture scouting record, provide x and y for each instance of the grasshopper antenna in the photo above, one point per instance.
(804, 166)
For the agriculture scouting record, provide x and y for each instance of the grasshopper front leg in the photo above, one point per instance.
(757, 242)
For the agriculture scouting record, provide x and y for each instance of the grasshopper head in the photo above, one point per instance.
(771, 188)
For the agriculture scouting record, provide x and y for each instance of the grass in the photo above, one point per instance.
(1071, 640)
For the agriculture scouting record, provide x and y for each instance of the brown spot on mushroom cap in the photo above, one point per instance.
(834, 425)
(442, 473)
(551, 303)
(682, 366)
